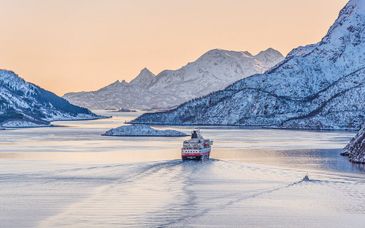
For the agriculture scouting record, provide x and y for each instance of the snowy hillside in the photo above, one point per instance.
(213, 71)
(319, 86)
(23, 104)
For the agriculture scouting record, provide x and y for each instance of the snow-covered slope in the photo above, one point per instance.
(142, 130)
(320, 86)
(213, 71)
(355, 150)
(23, 104)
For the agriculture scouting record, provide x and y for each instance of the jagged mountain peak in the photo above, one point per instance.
(143, 79)
(319, 86)
(118, 83)
(219, 54)
(271, 52)
(114, 85)
(214, 70)
(269, 55)
(247, 53)
(145, 73)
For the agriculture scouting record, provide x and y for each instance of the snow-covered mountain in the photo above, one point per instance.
(320, 86)
(23, 104)
(213, 71)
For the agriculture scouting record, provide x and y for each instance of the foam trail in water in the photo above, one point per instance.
(173, 193)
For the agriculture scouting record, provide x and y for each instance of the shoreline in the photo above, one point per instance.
(144, 136)
(214, 126)
(52, 125)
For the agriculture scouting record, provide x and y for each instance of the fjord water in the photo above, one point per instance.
(70, 175)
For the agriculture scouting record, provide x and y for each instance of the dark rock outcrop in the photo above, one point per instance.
(355, 150)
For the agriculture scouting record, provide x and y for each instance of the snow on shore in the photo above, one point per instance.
(21, 124)
(142, 131)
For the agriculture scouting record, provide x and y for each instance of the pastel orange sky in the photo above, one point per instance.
(82, 45)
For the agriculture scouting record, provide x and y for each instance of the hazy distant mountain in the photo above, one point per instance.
(320, 86)
(23, 104)
(213, 71)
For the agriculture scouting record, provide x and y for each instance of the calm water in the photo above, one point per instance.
(70, 175)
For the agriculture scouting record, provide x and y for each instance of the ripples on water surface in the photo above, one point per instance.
(71, 176)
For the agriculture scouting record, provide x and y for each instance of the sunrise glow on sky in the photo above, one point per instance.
(82, 45)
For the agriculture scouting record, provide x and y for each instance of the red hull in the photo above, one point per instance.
(195, 156)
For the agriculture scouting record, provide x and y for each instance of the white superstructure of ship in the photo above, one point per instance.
(196, 148)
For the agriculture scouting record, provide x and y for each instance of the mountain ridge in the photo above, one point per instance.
(315, 87)
(24, 104)
(212, 71)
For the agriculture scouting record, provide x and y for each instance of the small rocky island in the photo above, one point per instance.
(125, 110)
(355, 150)
(142, 131)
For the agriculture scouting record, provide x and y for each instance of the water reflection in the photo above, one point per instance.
(81, 142)
(71, 176)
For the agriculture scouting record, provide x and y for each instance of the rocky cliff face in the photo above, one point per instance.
(23, 104)
(355, 150)
(213, 71)
(320, 86)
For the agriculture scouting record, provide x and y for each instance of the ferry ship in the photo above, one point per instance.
(196, 148)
